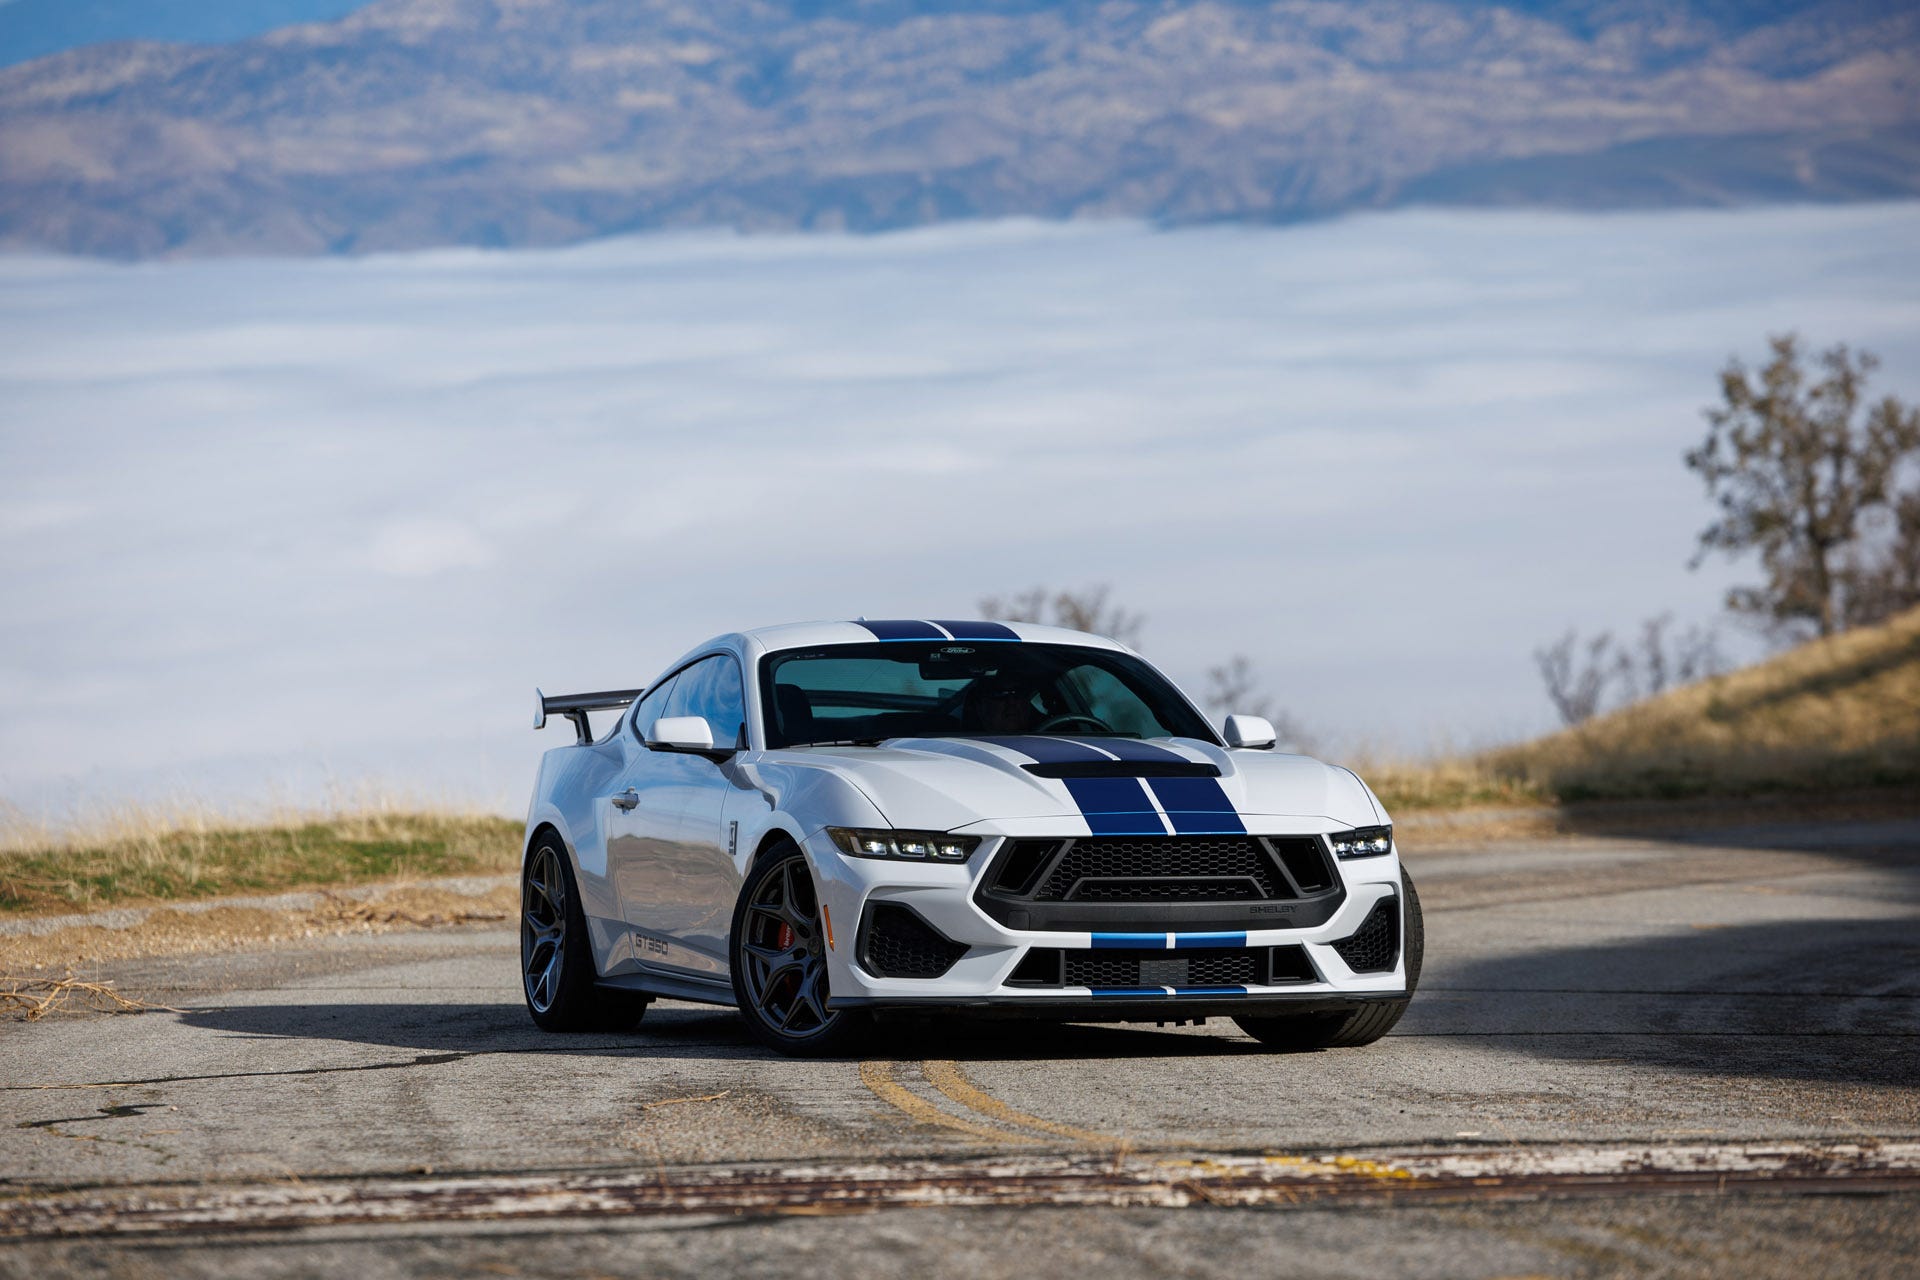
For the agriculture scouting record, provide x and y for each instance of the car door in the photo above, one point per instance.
(684, 898)
(636, 817)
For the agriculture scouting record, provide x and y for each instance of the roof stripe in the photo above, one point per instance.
(901, 629)
(976, 630)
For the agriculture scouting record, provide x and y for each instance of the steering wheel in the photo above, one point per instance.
(1053, 724)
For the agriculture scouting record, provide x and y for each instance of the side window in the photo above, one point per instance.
(711, 689)
(653, 706)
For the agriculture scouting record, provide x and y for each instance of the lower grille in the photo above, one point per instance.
(1375, 945)
(1163, 968)
(1155, 967)
(896, 943)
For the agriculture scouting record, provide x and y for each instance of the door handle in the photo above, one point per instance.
(627, 799)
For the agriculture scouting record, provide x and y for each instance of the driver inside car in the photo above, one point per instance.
(1002, 704)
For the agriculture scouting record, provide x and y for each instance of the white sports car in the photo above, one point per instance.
(829, 821)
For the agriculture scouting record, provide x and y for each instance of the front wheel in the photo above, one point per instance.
(779, 960)
(1302, 1033)
(556, 956)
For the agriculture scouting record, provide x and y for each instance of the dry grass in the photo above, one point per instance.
(1833, 715)
(139, 860)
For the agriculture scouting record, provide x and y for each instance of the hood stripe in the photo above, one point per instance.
(1124, 806)
(1052, 750)
(1115, 806)
(1197, 806)
(1134, 751)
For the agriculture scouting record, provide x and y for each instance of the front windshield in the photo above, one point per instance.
(939, 689)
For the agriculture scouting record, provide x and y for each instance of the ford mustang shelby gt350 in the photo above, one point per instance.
(822, 822)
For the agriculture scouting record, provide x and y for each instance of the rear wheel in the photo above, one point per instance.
(556, 956)
(1301, 1033)
(779, 960)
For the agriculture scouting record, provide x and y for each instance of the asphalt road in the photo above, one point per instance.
(1627, 1057)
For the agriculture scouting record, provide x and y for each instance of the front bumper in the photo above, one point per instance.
(978, 980)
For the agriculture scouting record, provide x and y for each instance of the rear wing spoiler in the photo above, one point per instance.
(574, 706)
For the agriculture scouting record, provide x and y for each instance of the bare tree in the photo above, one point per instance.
(1662, 658)
(1577, 675)
(1089, 609)
(1794, 468)
(1234, 688)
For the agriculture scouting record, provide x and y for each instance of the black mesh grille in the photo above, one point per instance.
(1197, 968)
(1290, 964)
(896, 943)
(1375, 945)
(1150, 869)
(1306, 861)
(1199, 883)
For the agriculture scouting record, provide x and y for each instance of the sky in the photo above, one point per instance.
(273, 531)
(36, 28)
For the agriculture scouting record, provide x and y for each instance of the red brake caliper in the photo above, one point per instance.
(784, 939)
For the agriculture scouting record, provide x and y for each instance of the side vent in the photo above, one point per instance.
(1040, 967)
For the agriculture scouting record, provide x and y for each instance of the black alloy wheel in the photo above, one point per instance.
(779, 960)
(556, 956)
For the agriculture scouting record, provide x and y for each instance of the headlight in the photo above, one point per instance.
(912, 846)
(1362, 842)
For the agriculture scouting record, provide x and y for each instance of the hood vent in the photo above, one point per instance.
(1125, 769)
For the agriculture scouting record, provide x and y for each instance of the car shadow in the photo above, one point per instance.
(1834, 1000)
(677, 1030)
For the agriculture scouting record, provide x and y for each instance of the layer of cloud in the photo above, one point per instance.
(286, 518)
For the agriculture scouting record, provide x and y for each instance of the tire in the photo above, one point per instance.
(777, 951)
(1304, 1033)
(556, 954)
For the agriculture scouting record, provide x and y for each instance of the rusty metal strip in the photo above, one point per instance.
(1162, 1182)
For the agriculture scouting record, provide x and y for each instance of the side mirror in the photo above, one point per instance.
(682, 733)
(1250, 731)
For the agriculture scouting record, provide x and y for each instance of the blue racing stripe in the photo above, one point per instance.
(1210, 991)
(1103, 992)
(1209, 939)
(1115, 806)
(1050, 750)
(1197, 806)
(1132, 749)
(1104, 941)
(976, 630)
(902, 630)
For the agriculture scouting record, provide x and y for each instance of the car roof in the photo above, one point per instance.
(807, 635)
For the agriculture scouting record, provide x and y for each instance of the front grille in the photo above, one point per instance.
(896, 943)
(1218, 882)
(1117, 968)
(1375, 945)
(1161, 869)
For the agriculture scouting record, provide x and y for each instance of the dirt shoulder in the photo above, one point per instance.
(33, 949)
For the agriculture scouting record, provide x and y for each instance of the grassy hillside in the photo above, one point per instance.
(1842, 713)
(195, 859)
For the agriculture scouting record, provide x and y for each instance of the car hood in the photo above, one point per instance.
(946, 784)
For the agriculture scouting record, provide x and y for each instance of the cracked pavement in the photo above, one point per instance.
(1759, 986)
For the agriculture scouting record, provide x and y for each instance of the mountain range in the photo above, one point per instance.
(411, 123)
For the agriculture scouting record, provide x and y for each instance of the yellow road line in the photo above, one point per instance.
(878, 1077)
(947, 1077)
